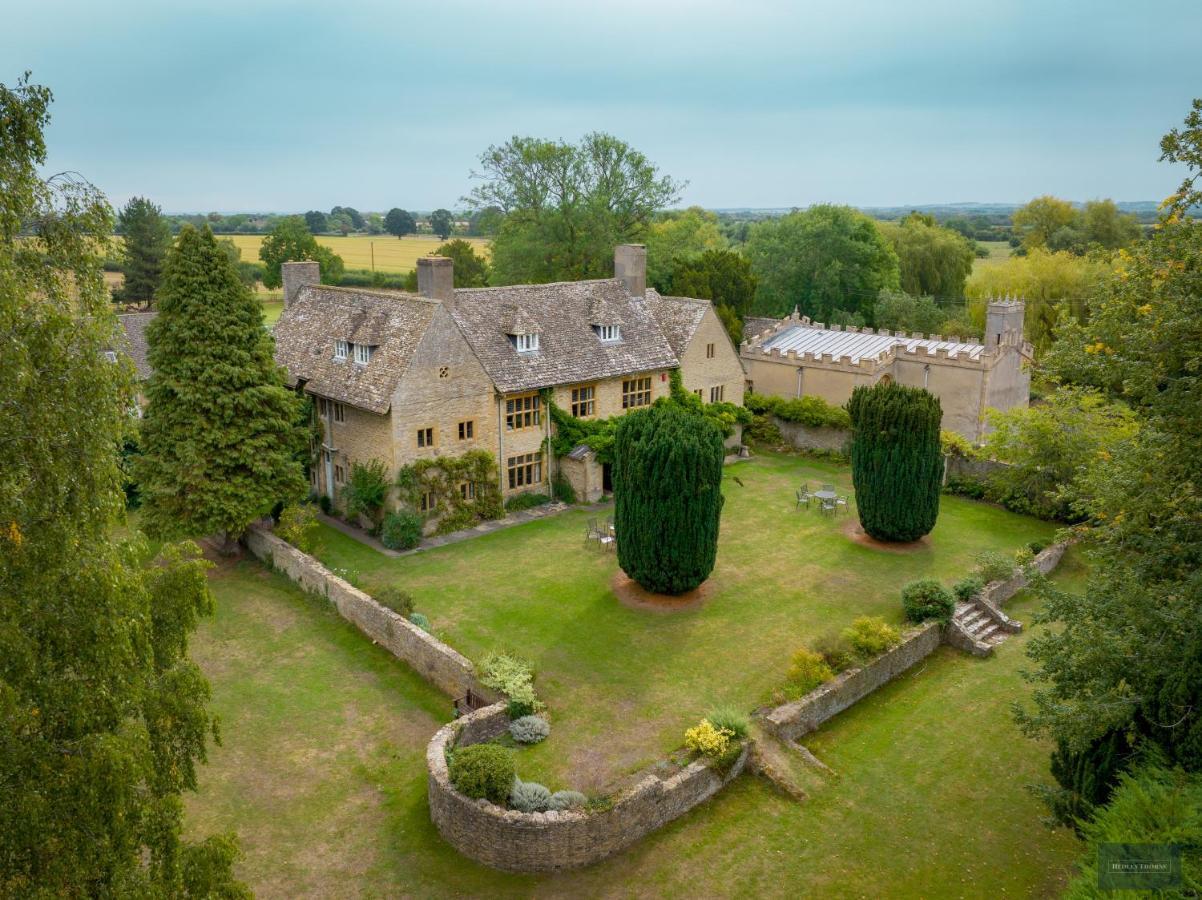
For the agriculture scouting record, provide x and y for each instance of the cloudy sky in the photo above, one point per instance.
(290, 105)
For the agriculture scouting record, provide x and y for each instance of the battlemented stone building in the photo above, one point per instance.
(401, 377)
(795, 357)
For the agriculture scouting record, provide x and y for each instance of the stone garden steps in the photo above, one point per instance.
(978, 625)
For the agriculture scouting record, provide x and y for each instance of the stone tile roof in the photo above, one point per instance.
(678, 318)
(756, 325)
(859, 345)
(133, 326)
(569, 349)
(391, 321)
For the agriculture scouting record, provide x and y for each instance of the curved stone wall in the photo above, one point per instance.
(540, 842)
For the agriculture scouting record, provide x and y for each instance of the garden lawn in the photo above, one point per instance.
(322, 775)
(622, 684)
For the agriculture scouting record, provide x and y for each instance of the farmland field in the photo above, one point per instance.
(391, 254)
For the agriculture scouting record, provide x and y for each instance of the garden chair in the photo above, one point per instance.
(803, 496)
(828, 487)
(842, 501)
(592, 531)
(828, 506)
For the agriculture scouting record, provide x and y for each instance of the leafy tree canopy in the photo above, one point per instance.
(567, 206)
(356, 218)
(830, 261)
(291, 241)
(899, 311)
(676, 237)
(147, 235)
(471, 269)
(442, 223)
(1052, 224)
(103, 717)
(399, 222)
(933, 260)
(722, 276)
(316, 221)
(220, 440)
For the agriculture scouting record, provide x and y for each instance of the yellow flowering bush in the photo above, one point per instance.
(706, 738)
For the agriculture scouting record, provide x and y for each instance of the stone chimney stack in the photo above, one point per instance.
(297, 275)
(1004, 322)
(436, 277)
(630, 267)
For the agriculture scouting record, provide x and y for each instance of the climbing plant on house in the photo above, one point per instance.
(461, 490)
(668, 496)
(896, 460)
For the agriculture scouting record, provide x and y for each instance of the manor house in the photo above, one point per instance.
(401, 377)
(795, 357)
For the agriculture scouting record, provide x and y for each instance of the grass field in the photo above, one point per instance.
(322, 775)
(390, 254)
(622, 684)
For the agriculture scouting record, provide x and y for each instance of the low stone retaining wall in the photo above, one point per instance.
(791, 720)
(431, 658)
(805, 437)
(998, 592)
(539, 842)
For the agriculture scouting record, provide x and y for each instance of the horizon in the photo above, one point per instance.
(301, 106)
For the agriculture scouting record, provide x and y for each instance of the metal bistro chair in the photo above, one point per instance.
(828, 505)
(803, 496)
(842, 501)
(829, 487)
(592, 531)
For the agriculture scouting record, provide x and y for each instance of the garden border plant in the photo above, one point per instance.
(442, 476)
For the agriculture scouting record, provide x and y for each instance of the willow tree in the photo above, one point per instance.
(667, 496)
(896, 461)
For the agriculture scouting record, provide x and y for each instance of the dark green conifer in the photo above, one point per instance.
(896, 460)
(668, 497)
(220, 437)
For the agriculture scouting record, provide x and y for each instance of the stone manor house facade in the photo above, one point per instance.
(401, 377)
(794, 357)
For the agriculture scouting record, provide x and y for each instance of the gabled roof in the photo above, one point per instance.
(569, 349)
(133, 341)
(678, 318)
(391, 321)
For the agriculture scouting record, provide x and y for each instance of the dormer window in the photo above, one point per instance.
(526, 343)
(362, 353)
(609, 333)
(341, 349)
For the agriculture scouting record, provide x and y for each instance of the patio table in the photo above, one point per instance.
(825, 495)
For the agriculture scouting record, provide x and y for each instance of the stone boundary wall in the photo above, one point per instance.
(792, 720)
(975, 469)
(998, 592)
(540, 842)
(429, 657)
(805, 437)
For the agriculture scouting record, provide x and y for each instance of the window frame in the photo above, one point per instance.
(526, 343)
(427, 502)
(718, 394)
(467, 491)
(342, 349)
(467, 430)
(583, 407)
(363, 353)
(524, 470)
(528, 414)
(636, 392)
(609, 334)
(427, 437)
(710, 350)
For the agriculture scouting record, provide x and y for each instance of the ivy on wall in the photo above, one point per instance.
(442, 476)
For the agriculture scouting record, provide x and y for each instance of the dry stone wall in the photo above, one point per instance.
(806, 437)
(539, 842)
(998, 592)
(431, 658)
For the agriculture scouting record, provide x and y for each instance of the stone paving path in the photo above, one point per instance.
(518, 518)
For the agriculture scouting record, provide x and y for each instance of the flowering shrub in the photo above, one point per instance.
(708, 739)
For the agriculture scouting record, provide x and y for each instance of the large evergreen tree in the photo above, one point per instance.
(147, 237)
(667, 496)
(896, 460)
(219, 439)
(102, 715)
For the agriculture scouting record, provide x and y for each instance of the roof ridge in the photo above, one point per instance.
(547, 284)
(382, 293)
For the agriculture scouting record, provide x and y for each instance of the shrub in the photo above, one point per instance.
(668, 536)
(896, 460)
(516, 709)
(400, 602)
(1023, 557)
(563, 490)
(297, 525)
(952, 443)
(483, 771)
(366, 490)
(727, 718)
(871, 636)
(510, 675)
(707, 739)
(420, 621)
(325, 503)
(530, 729)
(836, 650)
(813, 412)
(927, 599)
(763, 430)
(807, 670)
(402, 530)
(562, 800)
(525, 501)
(968, 588)
(993, 566)
(972, 488)
(529, 797)
(1037, 547)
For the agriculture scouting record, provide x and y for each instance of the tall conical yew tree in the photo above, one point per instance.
(896, 460)
(668, 497)
(220, 435)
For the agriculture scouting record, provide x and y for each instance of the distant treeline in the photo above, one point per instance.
(339, 220)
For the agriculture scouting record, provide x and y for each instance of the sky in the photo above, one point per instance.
(267, 106)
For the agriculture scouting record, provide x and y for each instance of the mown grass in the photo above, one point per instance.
(322, 775)
(390, 254)
(622, 684)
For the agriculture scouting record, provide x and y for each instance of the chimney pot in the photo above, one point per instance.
(630, 267)
(436, 277)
